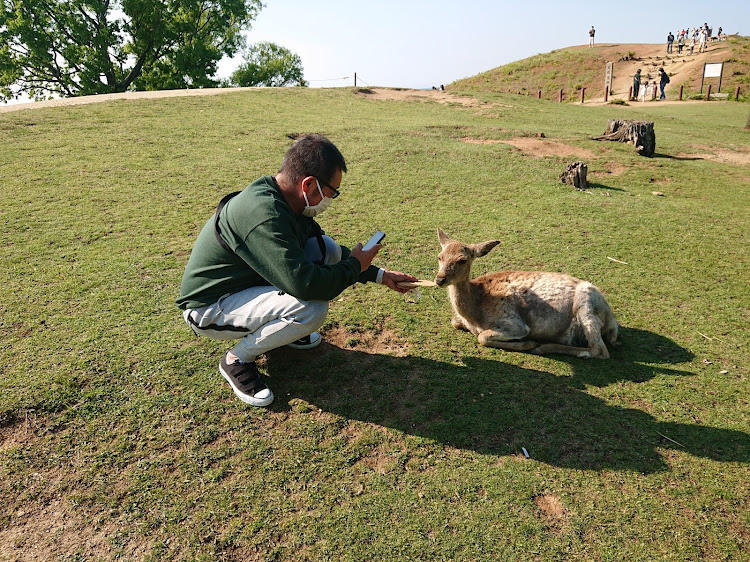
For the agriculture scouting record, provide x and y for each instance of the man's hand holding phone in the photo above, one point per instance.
(365, 254)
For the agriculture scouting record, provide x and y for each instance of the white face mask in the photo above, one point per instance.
(309, 211)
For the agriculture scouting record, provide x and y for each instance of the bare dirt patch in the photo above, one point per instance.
(615, 168)
(399, 94)
(544, 147)
(470, 140)
(551, 510)
(42, 524)
(738, 157)
(383, 342)
(55, 531)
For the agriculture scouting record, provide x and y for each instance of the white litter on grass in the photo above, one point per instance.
(617, 261)
(525, 452)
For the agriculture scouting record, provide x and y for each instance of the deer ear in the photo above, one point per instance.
(483, 248)
(443, 238)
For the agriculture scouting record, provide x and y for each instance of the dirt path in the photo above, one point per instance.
(399, 94)
(681, 68)
(122, 96)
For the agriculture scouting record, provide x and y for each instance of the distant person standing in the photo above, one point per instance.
(636, 84)
(644, 91)
(663, 81)
(670, 40)
(680, 43)
(702, 40)
(592, 31)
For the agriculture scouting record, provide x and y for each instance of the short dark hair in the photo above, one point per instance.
(312, 155)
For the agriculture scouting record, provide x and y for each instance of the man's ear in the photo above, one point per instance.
(308, 184)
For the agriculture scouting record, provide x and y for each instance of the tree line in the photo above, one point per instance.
(82, 47)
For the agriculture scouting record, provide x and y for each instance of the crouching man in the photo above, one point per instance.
(262, 271)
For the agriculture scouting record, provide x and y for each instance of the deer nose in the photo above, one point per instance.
(439, 281)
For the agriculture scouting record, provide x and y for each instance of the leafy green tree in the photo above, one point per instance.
(80, 47)
(268, 64)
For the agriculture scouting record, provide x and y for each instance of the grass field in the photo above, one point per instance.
(399, 438)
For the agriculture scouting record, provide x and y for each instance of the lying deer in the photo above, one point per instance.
(524, 310)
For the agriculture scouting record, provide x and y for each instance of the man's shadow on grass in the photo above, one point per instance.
(492, 407)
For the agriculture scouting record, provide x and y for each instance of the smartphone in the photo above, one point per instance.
(376, 239)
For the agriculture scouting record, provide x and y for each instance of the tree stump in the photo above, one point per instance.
(575, 174)
(640, 133)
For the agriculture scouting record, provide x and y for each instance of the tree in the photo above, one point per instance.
(81, 47)
(268, 64)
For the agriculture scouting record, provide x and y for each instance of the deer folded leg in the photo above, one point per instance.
(592, 326)
(493, 338)
(583, 352)
(458, 324)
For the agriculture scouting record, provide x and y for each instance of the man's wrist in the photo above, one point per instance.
(379, 278)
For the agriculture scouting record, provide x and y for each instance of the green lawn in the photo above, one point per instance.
(399, 438)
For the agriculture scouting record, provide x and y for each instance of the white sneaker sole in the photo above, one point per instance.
(262, 398)
(315, 339)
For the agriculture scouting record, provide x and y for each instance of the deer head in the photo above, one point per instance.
(456, 258)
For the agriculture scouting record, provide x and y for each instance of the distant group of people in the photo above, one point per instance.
(648, 91)
(696, 36)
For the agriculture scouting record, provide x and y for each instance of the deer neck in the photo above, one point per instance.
(463, 299)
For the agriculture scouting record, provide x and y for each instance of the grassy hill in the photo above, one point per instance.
(399, 438)
(577, 67)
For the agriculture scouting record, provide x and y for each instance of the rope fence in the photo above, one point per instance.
(357, 80)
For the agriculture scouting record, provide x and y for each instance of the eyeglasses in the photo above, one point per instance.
(336, 192)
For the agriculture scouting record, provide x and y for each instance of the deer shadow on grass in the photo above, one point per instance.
(496, 408)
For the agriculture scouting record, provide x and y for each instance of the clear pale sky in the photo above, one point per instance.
(421, 43)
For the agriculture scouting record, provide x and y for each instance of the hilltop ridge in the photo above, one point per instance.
(577, 67)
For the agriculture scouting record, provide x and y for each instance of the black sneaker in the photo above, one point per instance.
(246, 381)
(308, 342)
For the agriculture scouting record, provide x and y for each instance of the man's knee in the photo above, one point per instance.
(313, 313)
(332, 250)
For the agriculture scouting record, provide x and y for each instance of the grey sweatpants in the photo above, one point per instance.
(263, 318)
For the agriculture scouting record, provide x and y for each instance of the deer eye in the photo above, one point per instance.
(462, 261)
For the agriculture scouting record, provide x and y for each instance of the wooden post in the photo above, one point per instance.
(737, 94)
(680, 98)
(539, 94)
(606, 93)
(583, 93)
(560, 97)
(355, 79)
(630, 93)
(708, 92)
